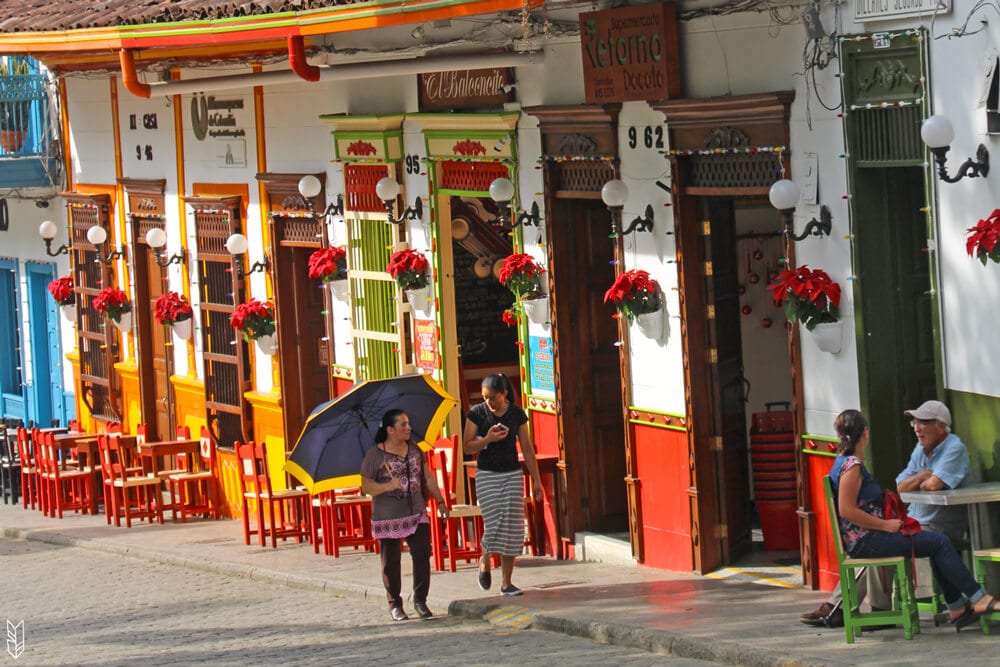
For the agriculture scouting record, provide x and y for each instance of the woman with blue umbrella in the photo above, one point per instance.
(394, 473)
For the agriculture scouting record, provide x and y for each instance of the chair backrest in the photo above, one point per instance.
(112, 462)
(831, 510)
(444, 479)
(206, 449)
(24, 449)
(74, 425)
(253, 468)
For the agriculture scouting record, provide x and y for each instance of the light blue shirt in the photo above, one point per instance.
(949, 462)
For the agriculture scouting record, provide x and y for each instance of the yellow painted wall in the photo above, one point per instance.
(128, 371)
(269, 428)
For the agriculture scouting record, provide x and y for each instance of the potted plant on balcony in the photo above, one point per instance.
(811, 297)
(330, 265)
(113, 304)
(255, 322)
(636, 296)
(173, 310)
(983, 241)
(14, 114)
(521, 274)
(61, 290)
(409, 269)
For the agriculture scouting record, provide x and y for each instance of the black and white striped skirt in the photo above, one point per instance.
(501, 499)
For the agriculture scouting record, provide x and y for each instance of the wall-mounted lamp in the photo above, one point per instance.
(937, 132)
(237, 245)
(387, 189)
(309, 188)
(48, 230)
(156, 239)
(502, 192)
(784, 196)
(98, 236)
(615, 194)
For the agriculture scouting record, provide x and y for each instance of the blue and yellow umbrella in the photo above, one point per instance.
(338, 434)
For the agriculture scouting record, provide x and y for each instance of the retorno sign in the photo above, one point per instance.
(630, 53)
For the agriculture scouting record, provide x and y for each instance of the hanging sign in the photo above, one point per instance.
(630, 53)
(543, 376)
(466, 89)
(426, 345)
(885, 10)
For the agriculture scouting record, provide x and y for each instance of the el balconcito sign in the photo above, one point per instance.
(465, 89)
(630, 53)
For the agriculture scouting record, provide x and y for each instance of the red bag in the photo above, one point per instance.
(893, 507)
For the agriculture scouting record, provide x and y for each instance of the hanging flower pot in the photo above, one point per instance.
(828, 336)
(124, 322)
(635, 293)
(340, 289)
(267, 344)
(420, 298)
(537, 309)
(69, 312)
(650, 324)
(183, 329)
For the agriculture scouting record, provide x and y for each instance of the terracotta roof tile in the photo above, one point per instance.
(43, 15)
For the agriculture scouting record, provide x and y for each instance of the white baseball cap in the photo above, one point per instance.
(932, 410)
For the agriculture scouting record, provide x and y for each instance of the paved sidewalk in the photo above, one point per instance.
(680, 614)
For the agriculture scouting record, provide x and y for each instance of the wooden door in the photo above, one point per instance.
(725, 375)
(897, 348)
(589, 383)
(154, 366)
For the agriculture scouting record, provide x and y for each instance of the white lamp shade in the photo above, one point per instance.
(156, 238)
(501, 190)
(937, 132)
(784, 194)
(96, 235)
(309, 186)
(47, 230)
(387, 189)
(237, 244)
(614, 193)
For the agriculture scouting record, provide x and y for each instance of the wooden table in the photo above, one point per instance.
(546, 466)
(154, 451)
(972, 496)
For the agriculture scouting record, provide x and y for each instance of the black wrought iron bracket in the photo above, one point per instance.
(112, 256)
(641, 223)
(971, 168)
(256, 267)
(176, 258)
(821, 227)
(526, 218)
(61, 250)
(415, 212)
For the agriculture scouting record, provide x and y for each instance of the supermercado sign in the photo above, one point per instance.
(630, 53)
(883, 10)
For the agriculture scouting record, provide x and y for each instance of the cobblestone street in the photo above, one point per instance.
(82, 607)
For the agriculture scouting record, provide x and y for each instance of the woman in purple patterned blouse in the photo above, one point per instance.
(395, 475)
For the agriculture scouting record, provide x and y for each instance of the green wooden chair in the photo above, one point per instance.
(904, 611)
(980, 557)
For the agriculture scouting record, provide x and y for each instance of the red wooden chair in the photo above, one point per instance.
(294, 508)
(140, 441)
(64, 488)
(193, 492)
(345, 521)
(457, 537)
(29, 469)
(125, 495)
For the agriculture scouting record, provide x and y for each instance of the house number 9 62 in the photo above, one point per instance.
(652, 137)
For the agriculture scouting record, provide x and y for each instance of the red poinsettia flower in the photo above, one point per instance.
(112, 303)
(61, 290)
(409, 268)
(328, 264)
(171, 308)
(807, 295)
(253, 319)
(509, 318)
(521, 274)
(984, 239)
(634, 293)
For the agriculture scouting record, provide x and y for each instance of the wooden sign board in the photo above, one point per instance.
(630, 53)
(465, 89)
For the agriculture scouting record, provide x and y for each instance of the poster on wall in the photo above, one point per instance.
(426, 351)
(222, 122)
(542, 368)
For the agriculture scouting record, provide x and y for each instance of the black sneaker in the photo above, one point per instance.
(817, 617)
(510, 591)
(485, 579)
(422, 610)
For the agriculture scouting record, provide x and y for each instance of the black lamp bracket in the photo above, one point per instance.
(256, 267)
(163, 261)
(334, 208)
(61, 250)
(971, 168)
(415, 212)
(814, 227)
(643, 223)
(112, 256)
(526, 218)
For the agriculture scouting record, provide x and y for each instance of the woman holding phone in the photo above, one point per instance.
(493, 431)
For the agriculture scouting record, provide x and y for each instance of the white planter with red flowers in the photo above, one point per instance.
(69, 312)
(828, 336)
(420, 298)
(522, 275)
(651, 324)
(267, 344)
(340, 289)
(637, 298)
(537, 309)
(113, 304)
(983, 240)
(183, 329)
(811, 297)
(124, 322)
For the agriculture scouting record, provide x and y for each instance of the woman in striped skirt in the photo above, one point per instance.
(492, 431)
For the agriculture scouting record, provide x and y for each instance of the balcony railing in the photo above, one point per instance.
(24, 116)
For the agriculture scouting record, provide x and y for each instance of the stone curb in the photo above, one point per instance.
(646, 639)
